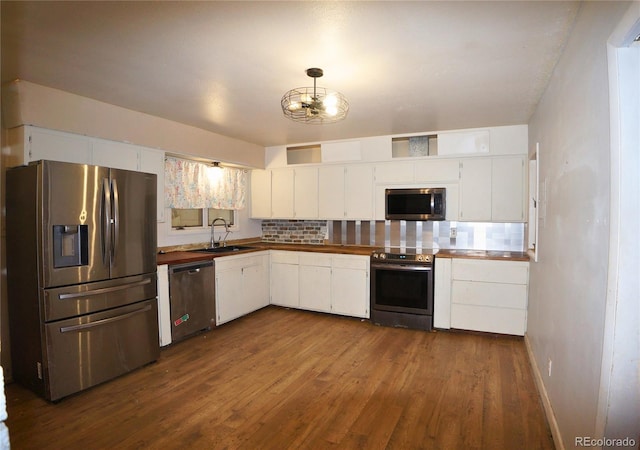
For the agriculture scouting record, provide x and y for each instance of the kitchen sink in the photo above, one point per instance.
(228, 249)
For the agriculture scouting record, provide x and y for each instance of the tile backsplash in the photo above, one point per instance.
(294, 231)
(429, 234)
(398, 233)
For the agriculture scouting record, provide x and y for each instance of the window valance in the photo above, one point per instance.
(190, 184)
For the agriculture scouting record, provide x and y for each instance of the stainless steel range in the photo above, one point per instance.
(402, 288)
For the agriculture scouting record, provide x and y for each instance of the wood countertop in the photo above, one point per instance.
(185, 256)
(496, 255)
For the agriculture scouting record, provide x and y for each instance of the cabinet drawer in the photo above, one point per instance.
(284, 257)
(351, 262)
(489, 319)
(238, 261)
(515, 272)
(489, 294)
(315, 259)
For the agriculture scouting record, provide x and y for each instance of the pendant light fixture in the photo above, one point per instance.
(315, 105)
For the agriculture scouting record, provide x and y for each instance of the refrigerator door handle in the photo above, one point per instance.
(98, 323)
(105, 290)
(106, 221)
(116, 219)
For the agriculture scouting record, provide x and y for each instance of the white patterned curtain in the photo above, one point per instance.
(190, 184)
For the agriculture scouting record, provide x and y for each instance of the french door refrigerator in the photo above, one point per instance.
(81, 274)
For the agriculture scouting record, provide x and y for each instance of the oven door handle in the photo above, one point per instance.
(402, 266)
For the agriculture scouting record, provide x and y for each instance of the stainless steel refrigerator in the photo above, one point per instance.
(81, 274)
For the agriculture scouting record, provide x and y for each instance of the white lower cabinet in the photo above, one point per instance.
(486, 296)
(337, 284)
(315, 282)
(442, 293)
(350, 286)
(242, 285)
(284, 279)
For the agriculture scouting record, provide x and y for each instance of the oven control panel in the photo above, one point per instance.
(400, 257)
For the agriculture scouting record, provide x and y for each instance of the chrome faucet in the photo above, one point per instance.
(226, 228)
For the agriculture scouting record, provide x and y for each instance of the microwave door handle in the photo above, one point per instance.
(106, 221)
(116, 219)
(433, 203)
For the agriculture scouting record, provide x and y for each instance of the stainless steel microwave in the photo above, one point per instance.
(415, 204)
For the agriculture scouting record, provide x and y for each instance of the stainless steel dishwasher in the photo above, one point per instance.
(192, 298)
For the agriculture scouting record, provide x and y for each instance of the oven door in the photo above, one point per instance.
(402, 288)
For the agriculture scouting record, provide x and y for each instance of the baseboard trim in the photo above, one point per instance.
(546, 403)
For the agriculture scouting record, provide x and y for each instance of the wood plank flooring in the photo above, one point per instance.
(287, 379)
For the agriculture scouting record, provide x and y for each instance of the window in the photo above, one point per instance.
(182, 219)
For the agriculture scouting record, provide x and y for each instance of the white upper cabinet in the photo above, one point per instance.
(394, 172)
(345, 180)
(508, 199)
(282, 193)
(475, 190)
(437, 170)
(115, 154)
(331, 201)
(464, 142)
(29, 143)
(306, 193)
(152, 161)
(345, 192)
(261, 194)
(358, 192)
(492, 189)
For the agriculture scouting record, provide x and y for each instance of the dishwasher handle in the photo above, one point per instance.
(191, 268)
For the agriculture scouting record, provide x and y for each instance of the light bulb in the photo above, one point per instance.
(330, 101)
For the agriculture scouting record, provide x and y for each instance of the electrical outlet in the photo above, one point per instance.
(453, 232)
(549, 364)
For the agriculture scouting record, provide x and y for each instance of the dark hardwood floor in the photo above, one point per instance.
(280, 379)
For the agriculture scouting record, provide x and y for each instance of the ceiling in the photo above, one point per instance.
(405, 67)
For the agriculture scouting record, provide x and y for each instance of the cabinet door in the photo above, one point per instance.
(58, 146)
(394, 172)
(442, 293)
(284, 285)
(315, 281)
(507, 190)
(255, 284)
(228, 283)
(331, 204)
(282, 194)
(152, 161)
(260, 194)
(358, 192)
(117, 155)
(475, 190)
(350, 286)
(306, 193)
(438, 170)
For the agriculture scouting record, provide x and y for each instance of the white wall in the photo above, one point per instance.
(568, 286)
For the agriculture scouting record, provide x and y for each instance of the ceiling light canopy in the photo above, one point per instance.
(315, 105)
